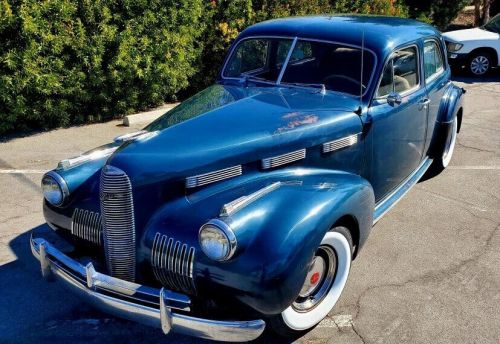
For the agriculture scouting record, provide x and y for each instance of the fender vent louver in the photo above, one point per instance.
(172, 263)
(340, 143)
(283, 159)
(212, 177)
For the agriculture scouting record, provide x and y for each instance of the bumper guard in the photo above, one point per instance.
(146, 305)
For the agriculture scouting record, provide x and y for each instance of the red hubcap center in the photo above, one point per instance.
(315, 278)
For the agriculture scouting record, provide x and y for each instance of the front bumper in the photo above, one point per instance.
(457, 60)
(150, 306)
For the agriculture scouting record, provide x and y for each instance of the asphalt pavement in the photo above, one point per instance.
(429, 273)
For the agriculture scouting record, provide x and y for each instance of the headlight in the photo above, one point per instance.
(54, 188)
(452, 46)
(217, 240)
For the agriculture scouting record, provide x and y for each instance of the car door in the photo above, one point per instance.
(436, 78)
(399, 121)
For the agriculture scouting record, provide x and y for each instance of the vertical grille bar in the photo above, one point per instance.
(118, 223)
(86, 225)
(173, 263)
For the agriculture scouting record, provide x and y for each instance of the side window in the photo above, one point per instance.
(433, 59)
(405, 70)
(386, 85)
(400, 73)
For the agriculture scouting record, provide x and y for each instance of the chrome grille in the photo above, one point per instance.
(283, 159)
(87, 225)
(340, 143)
(212, 177)
(118, 223)
(172, 263)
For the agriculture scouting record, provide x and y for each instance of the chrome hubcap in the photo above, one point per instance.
(318, 281)
(479, 65)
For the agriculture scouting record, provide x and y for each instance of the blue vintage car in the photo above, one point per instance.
(245, 205)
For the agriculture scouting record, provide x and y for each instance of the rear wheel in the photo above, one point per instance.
(322, 287)
(441, 162)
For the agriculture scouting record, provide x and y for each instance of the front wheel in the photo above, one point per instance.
(322, 287)
(480, 64)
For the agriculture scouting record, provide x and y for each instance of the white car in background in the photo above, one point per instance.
(477, 49)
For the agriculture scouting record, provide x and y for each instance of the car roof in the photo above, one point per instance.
(381, 33)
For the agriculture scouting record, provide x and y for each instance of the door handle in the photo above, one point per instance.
(424, 103)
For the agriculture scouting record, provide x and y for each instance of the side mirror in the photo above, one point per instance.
(394, 99)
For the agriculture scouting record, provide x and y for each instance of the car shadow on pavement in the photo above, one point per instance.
(37, 311)
(461, 75)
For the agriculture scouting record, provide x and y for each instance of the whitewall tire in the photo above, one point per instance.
(449, 147)
(322, 287)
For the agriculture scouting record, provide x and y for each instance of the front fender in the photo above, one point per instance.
(277, 233)
(282, 231)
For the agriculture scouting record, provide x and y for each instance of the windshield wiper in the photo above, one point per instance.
(248, 77)
(306, 85)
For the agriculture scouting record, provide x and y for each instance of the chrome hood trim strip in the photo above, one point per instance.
(231, 208)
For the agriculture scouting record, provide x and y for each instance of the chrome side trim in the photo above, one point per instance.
(340, 143)
(173, 264)
(283, 159)
(231, 208)
(87, 225)
(212, 177)
(160, 314)
(389, 201)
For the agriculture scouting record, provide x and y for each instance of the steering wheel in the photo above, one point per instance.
(355, 83)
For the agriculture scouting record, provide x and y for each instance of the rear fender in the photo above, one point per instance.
(451, 106)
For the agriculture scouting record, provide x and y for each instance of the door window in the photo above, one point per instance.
(401, 73)
(433, 60)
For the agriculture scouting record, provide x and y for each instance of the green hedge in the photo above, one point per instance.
(66, 62)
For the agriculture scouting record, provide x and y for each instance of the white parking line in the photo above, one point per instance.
(474, 167)
(22, 171)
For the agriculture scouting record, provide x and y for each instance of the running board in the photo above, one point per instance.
(390, 200)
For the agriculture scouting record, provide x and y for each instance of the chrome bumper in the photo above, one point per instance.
(149, 306)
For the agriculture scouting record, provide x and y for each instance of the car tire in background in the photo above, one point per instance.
(322, 287)
(479, 63)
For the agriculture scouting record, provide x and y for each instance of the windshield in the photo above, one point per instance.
(493, 24)
(334, 67)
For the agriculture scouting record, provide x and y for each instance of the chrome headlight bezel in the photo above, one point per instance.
(62, 188)
(224, 231)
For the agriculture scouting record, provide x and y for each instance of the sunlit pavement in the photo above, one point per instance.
(430, 272)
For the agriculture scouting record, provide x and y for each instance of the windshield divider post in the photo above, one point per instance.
(285, 64)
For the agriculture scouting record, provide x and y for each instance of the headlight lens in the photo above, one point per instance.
(53, 188)
(217, 240)
(452, 46)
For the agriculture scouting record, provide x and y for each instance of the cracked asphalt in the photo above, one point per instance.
(429, 273)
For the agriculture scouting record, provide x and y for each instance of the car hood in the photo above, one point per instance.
(470, 35)
(224, 126)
